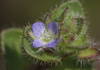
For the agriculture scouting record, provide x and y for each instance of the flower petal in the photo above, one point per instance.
(38, 43)
(38, 28)
(52, 43)
(53, 27)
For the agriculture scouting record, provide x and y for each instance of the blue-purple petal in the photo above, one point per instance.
(38, 43)
(38, 28)
(53, 27)
(52, 44)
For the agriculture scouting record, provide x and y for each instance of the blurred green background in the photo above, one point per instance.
(19, 12)
(92, 9)
(16, 13)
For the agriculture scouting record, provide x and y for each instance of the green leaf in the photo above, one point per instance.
(11, 41)
(81, 39)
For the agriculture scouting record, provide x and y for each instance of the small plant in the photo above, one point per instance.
(60, 42)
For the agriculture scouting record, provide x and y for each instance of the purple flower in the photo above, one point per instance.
(45, 36)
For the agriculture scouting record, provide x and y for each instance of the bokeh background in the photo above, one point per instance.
(16, 13)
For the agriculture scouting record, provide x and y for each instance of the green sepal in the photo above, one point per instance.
(40, 56)
(70, 63)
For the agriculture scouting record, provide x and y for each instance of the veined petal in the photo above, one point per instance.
(38, 28)
(52, 43)
(38, 43)
(53, 27)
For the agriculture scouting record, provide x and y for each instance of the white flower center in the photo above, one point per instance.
(47, 36)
